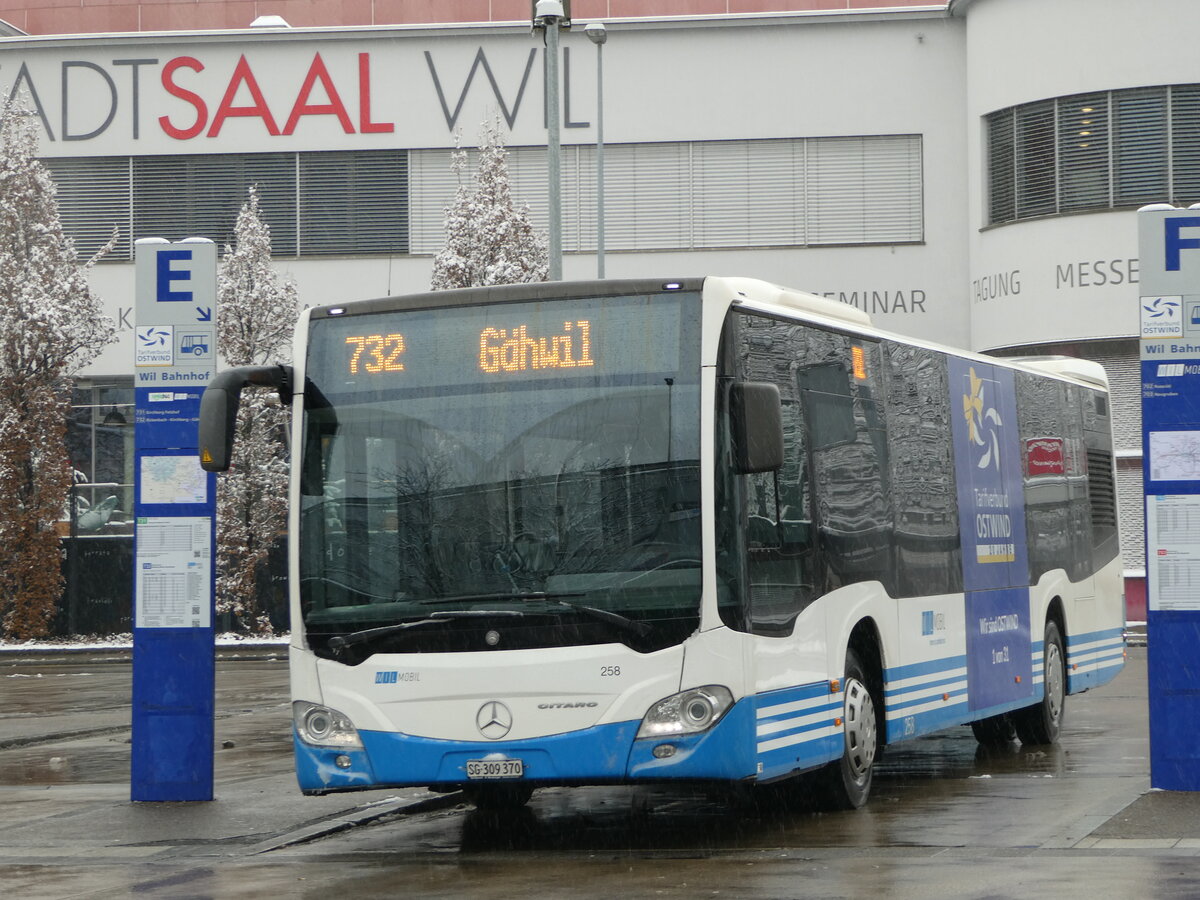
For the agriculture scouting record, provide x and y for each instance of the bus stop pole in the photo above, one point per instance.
(174, 678)
(1169, 337)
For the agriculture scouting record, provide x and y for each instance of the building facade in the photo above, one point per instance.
(965, 172)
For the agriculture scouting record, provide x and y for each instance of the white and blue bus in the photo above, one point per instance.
(707, 530)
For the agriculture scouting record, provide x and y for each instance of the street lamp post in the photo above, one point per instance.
(598, 35)
(548, 17)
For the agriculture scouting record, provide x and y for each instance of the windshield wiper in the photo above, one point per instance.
(499, 595)
(641, 629)
(340, 642)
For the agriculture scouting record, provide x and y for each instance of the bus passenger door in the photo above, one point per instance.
(849, 460)
(779, 536)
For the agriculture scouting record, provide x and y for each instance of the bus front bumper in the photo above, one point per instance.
(605, 754)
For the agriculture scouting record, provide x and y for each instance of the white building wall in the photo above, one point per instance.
(1023, 50)
(1053, 280)
(1075, 275)
(738, 78)
(1057, 279)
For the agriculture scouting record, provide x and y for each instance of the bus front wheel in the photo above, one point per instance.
(846, 783)
(1042, 722)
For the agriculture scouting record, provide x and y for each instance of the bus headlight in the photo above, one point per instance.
(324, 727)
(688, 712)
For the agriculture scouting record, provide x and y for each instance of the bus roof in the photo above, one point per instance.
(833, 311)
(1065, 366)
(765, 292)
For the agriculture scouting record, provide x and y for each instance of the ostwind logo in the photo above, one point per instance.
(153, 337)
(983, 422)
(1162, 316)
(155, 345)
(1161, 308)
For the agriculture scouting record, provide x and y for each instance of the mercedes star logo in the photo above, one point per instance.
(494, 720)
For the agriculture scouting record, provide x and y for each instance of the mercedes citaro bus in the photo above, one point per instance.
(705, 530)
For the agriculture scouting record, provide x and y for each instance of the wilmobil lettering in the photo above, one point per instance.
(997, 624)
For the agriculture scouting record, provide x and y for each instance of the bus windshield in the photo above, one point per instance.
(502, 476)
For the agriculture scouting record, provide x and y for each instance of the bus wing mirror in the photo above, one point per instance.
(219, 408)
(756, 418)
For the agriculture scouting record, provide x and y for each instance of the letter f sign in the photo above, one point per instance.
(1175, 243)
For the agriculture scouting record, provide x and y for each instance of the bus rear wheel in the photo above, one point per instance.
(846, 783)
(995, 731)
(1042, 722)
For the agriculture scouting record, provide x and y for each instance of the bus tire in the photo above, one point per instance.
(846, 783)
(995, 731)
(1042, 722)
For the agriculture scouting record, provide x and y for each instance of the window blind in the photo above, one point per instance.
(1102, 150)
(93, 198)
(658, 196)
(353, 202)
(200, 196)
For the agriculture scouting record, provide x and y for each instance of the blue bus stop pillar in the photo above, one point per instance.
(174, 677)
(1169, 336)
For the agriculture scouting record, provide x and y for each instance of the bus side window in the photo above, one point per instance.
(1057, 463)
(776, 526)
(852, 509)
(826, 391)
(922, 481)
(1101, 480)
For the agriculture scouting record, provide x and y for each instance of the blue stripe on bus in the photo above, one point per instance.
(1108, 651)
(1093, 646)
(932, 720)
(1089, 637)
(827, 706)
(912, 670)
(925, 685)
(823, 722)
(807, 700)
(800, 757)
(789, 696)
(803, 744)
(944, 696)
(1079, 652)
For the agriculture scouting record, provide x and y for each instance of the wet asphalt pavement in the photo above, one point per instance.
(945, 820)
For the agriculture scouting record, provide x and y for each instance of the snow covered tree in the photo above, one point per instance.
(51, 325)
(489, 239)
(257, 311)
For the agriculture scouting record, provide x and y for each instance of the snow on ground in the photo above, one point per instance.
(125, 641)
